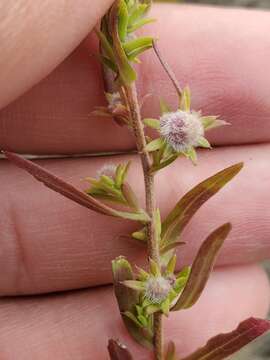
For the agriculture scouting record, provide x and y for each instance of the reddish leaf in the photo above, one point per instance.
(182, 213)
(118, 351)
(202, 267)
(55, 183)
(224, 345)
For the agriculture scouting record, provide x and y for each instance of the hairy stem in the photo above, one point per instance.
(153, 245)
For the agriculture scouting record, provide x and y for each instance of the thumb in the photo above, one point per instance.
(36, 36)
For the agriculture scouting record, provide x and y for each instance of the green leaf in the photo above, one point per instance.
(171, 352)
(202, 268)
(185, 102)
(164, 107)
(106, 46)
(127, 300)
(118, 351)
(212, 122)
(127, 73)
(109, 64)
(191, 154)
(171, 265)
(204, 143)
(184, 210)
(136, 216)
(123, 19)
(121, 173)
(137, 46)
(154, 145)
(122, 271)
(140, 23)
(69, 191)
(134, 284)
(137, 13)
(130, 197)
(140, 235)
(154, 268)
(164, 164)
(152, 123)
(224, 345)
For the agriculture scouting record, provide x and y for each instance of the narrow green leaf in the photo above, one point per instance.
(127, 299)
(123, 19)
(152, 123)
(140, 235)
(204, 143)
(164, 164)
(202, 268)
(106, 46)
(212, 122)
(134, 284)
(171, 265)
(137, 216)
(154, 145)
(130, 196)
(140, 23)
(224, 345)
(137, 13)
(192, 155)
(184, 210)
(137, 46)
(122, 271)
(154, 268)
(164, 107)
(127, 73)
(185, 102)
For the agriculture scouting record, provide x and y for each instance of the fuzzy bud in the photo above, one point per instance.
(157, 289)
(181, 129)
(108, 170)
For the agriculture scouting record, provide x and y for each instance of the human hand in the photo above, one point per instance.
(50, 244)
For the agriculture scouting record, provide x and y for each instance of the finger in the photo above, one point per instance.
(49, 243)
(37, 35)
(223, 61)
(78, 325)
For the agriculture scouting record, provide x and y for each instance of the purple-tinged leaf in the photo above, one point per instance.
(202, 267)
(69, 191)
(171, 352)
(118, 351)
(184, 210)
(224, 345)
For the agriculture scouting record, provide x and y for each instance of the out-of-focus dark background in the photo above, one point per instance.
(259, 350)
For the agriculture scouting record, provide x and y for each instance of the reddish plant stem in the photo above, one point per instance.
(153, 245)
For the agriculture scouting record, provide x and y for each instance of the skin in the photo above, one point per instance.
(52, 248)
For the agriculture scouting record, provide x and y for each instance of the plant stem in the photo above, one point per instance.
(153, 245)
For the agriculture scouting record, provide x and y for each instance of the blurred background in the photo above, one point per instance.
(259, 350)
(245, 3)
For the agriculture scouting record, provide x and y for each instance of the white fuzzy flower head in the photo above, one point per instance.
(181, 129)
(157, 289)
(108, 170)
